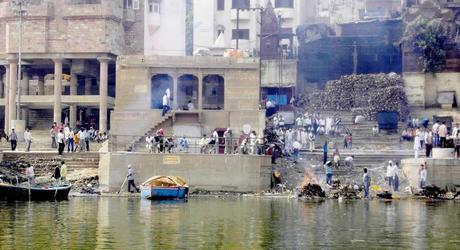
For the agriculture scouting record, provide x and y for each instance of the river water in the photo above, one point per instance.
(228, 223)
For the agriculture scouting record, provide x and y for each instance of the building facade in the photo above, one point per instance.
(241, 19)
(69, 49)
(224, 93)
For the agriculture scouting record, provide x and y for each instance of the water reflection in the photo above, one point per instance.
(227, 223)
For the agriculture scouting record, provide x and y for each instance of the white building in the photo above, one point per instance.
(213, 17)
(165, 27)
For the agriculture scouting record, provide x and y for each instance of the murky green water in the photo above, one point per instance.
(231, 223)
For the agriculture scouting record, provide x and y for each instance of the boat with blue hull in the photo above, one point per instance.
(164, 188)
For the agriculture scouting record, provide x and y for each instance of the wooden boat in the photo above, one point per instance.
(164, 188)
(36, 193)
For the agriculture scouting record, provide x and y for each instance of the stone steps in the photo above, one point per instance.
(40, 119)
(73, 161)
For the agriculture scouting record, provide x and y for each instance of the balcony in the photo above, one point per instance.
(245, 15)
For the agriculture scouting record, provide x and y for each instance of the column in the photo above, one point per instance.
(73, 92)
(87, 85)
(2, 84)
(12, 90)
(200, 92)
(24, 91)
(103, 89)
(57, 90)
(41, 84)
(25, 82)
(6, 91)
(175, 90)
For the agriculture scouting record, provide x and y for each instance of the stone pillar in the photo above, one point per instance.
(6, 91)
(174, 107)
(41, 85)
(12, 90)
(57, 90)
(200, 92)
(2, 85)
(25, 82)
(103, 89)
(88, 86)
(73, 107)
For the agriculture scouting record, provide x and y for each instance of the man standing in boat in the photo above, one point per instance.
(130, 178)
(63, 172)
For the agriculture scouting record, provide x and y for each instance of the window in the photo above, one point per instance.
(128, 4)
(220, 4)
(135, 4)
(242, 34)
(154, 6)
(241, 4)
(284, 4)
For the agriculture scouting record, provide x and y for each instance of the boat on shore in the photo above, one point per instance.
(164, 188)
(34, 193)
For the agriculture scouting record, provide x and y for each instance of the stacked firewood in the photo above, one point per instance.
(363, 94)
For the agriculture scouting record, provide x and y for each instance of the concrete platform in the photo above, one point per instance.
(233, 173)
(441, 172)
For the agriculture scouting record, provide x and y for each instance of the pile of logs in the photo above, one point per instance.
(365, 95)
(312, 191)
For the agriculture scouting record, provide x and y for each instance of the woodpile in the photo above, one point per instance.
(365, 95)
(312, 191)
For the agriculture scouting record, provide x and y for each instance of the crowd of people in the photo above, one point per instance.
(75, 139)
(438, 136)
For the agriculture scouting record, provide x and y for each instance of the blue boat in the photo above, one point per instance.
(164, 188)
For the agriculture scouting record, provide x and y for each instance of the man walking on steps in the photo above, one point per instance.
(13, 140)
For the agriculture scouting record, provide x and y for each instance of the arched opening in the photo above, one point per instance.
(213, 92)
(160, 83)
(187, 95)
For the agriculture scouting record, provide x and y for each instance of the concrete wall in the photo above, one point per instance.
(422, 89)
(57, 26)
(238, 173)
(270, 73)
(441, 172)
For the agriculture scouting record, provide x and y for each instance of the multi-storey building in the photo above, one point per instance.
(239, 21)
(69, 48)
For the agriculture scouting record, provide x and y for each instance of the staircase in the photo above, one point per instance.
(140, 142)
(40, 119)
(45, 162)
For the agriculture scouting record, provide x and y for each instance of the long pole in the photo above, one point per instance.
(260, 55)
(237, 28)
(18, 102)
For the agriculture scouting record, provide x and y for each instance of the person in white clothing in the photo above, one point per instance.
(28, 139)
(215, 138)
(190, 106)
(391, 168)
(423, 175)
(61, 142)
(149, 142)
(417, 146)
(311, 140)
(165, 104)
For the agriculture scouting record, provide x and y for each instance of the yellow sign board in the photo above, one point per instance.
(171, 159)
